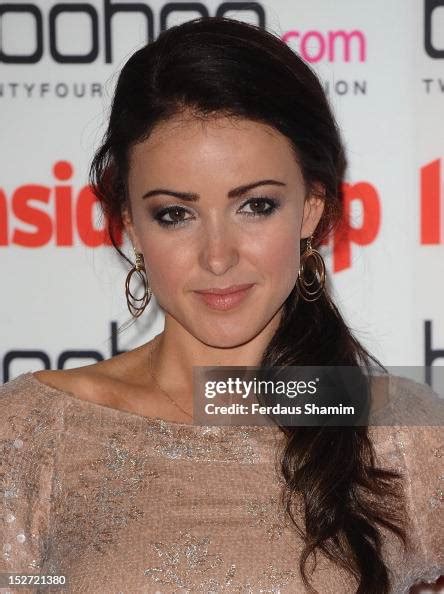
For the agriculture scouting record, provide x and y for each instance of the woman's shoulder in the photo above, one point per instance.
(35, 388)
(408, 438)
(22, 391)
(30, 426)
(416, 417)
(33, 403)
(407, 433)
(402, 385)
(27, 407)
(94, 383)
(420, 440)
(403, 401)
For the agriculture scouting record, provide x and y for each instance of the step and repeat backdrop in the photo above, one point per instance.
(62, 285)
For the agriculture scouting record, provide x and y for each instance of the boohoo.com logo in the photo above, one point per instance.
(13, 16)
(332, 46)
(431, 17)
(433, 29)
(92, 24)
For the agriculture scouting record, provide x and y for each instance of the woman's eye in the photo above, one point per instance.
(176, 216)
(173, 216)
(258, 206)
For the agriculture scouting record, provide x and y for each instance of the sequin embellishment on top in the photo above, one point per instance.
(188, 564)
(126, 504)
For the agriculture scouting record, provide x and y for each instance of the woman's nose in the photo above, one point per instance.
(219, 250)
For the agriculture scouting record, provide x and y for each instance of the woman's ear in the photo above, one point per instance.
(313, 208)
(129, 227)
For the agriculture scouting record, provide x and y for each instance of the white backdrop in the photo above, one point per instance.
(382, 64)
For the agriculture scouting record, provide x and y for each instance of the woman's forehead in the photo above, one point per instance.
(181, 145)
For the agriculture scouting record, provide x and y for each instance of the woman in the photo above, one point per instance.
(222, 162)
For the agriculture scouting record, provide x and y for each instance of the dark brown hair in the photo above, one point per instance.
(216, 65)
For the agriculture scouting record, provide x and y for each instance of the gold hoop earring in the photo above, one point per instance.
(303, 284)
(135, 308)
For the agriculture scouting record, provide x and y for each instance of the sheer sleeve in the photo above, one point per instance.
(422, 446)
(28, 434)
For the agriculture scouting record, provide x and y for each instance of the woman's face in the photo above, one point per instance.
(212, 239)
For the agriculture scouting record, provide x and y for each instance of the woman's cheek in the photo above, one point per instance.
(282, 252)
(167, 269)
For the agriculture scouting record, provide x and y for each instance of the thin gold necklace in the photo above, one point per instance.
(150, 369)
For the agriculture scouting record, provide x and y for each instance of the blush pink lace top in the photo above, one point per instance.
(121, 503)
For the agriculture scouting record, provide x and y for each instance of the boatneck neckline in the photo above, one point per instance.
(121, 412)
(116, 411)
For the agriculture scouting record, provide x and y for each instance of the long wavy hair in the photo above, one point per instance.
(216, 65)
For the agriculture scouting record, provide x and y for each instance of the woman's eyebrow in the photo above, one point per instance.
(234, 193)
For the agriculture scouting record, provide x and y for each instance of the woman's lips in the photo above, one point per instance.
(223, 302)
